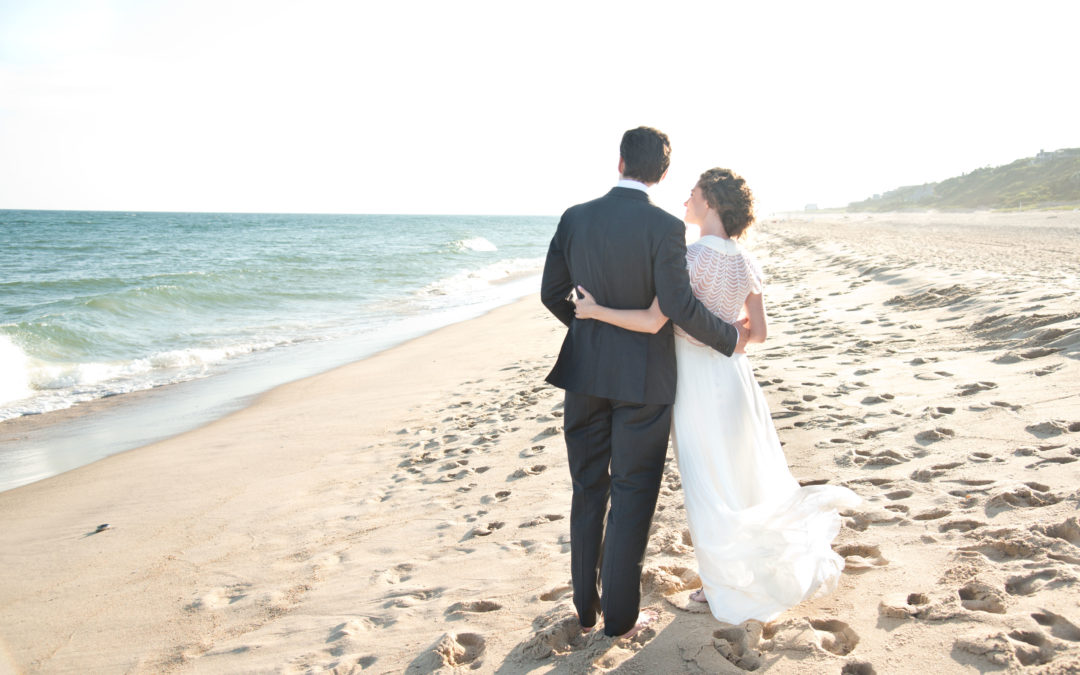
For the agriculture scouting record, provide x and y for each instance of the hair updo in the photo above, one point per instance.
(727, 193)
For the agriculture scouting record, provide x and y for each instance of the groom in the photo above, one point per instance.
(620, 385)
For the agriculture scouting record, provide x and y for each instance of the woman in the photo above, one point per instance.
(762, 542)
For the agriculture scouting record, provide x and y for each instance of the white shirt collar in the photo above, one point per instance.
(633, 184)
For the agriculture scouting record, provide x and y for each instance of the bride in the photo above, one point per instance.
(762, 542)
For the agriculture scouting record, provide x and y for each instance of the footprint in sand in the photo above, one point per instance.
(740, 645)
(927, 475)
(912, 605)
(1046, 370)
(975, 387)
(531, 452)
(549, 431)
(1011, 544)
(473, 607)
(527, 471)
(1067, 530)
(668, 579)
(930, 377)
(542, 520)
(977, 596)
(881, 458)
(456, 475)
(934, 435)
(394, 575)
(500, 496)
(1034, 648)
(1033, 582)
(1060, 627)
(220, 597)
(857, 668)
(877, 431)
(960, 525)
(451, 651)
(997, 648)
(346, 638)
(1045, 461)
(932, 514)
(971, 492)
(876, 482)
(1028, 495)
(860, 558)
(861, 520)
(485, 530)
(409, 598)
(556, 634)
(810, 635)
(554, 594)
(1051, 428)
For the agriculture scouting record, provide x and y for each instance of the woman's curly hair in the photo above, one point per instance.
(727, 193)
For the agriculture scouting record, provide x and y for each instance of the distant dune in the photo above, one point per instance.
(1047, 180)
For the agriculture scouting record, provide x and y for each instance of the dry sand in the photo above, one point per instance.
(409, 512)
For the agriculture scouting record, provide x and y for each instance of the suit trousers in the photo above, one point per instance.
(616, 452)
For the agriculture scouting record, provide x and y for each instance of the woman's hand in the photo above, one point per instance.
(585, 307)
(743, 326)
(648, 320)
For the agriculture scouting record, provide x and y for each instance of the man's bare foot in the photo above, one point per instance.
(646, 618)
(585, 630)
(699, 596)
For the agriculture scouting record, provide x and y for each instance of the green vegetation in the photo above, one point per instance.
(1048, 180)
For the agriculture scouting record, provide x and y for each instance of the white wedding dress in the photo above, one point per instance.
(763, 543)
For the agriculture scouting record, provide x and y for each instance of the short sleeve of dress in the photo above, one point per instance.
(755, 276)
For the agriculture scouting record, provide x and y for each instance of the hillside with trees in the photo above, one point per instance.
(1048, 180)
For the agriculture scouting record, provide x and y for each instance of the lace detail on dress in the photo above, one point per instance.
(722, 274)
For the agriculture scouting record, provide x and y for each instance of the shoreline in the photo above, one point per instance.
(68, 438)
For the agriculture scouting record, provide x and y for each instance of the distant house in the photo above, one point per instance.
(1063, 152)
(810, 207)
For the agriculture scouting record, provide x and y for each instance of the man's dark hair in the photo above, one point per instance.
(646, 154)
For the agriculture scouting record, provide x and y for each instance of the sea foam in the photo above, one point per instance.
(469, 282)
(475, 244)
(15, 365)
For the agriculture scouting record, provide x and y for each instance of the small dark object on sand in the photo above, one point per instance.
(101, 528)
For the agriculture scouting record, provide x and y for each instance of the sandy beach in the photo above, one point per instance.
(408, 512)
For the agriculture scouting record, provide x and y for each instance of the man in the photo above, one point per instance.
(620, 385)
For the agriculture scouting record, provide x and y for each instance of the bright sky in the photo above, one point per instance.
(514, 108)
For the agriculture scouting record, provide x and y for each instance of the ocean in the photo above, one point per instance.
(96, 304)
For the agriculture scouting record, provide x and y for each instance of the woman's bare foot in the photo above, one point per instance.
(645, 618)
(699, 596)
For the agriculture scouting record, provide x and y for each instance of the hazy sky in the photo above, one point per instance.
(508, 107)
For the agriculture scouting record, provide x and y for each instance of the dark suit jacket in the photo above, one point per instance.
(625, 251)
